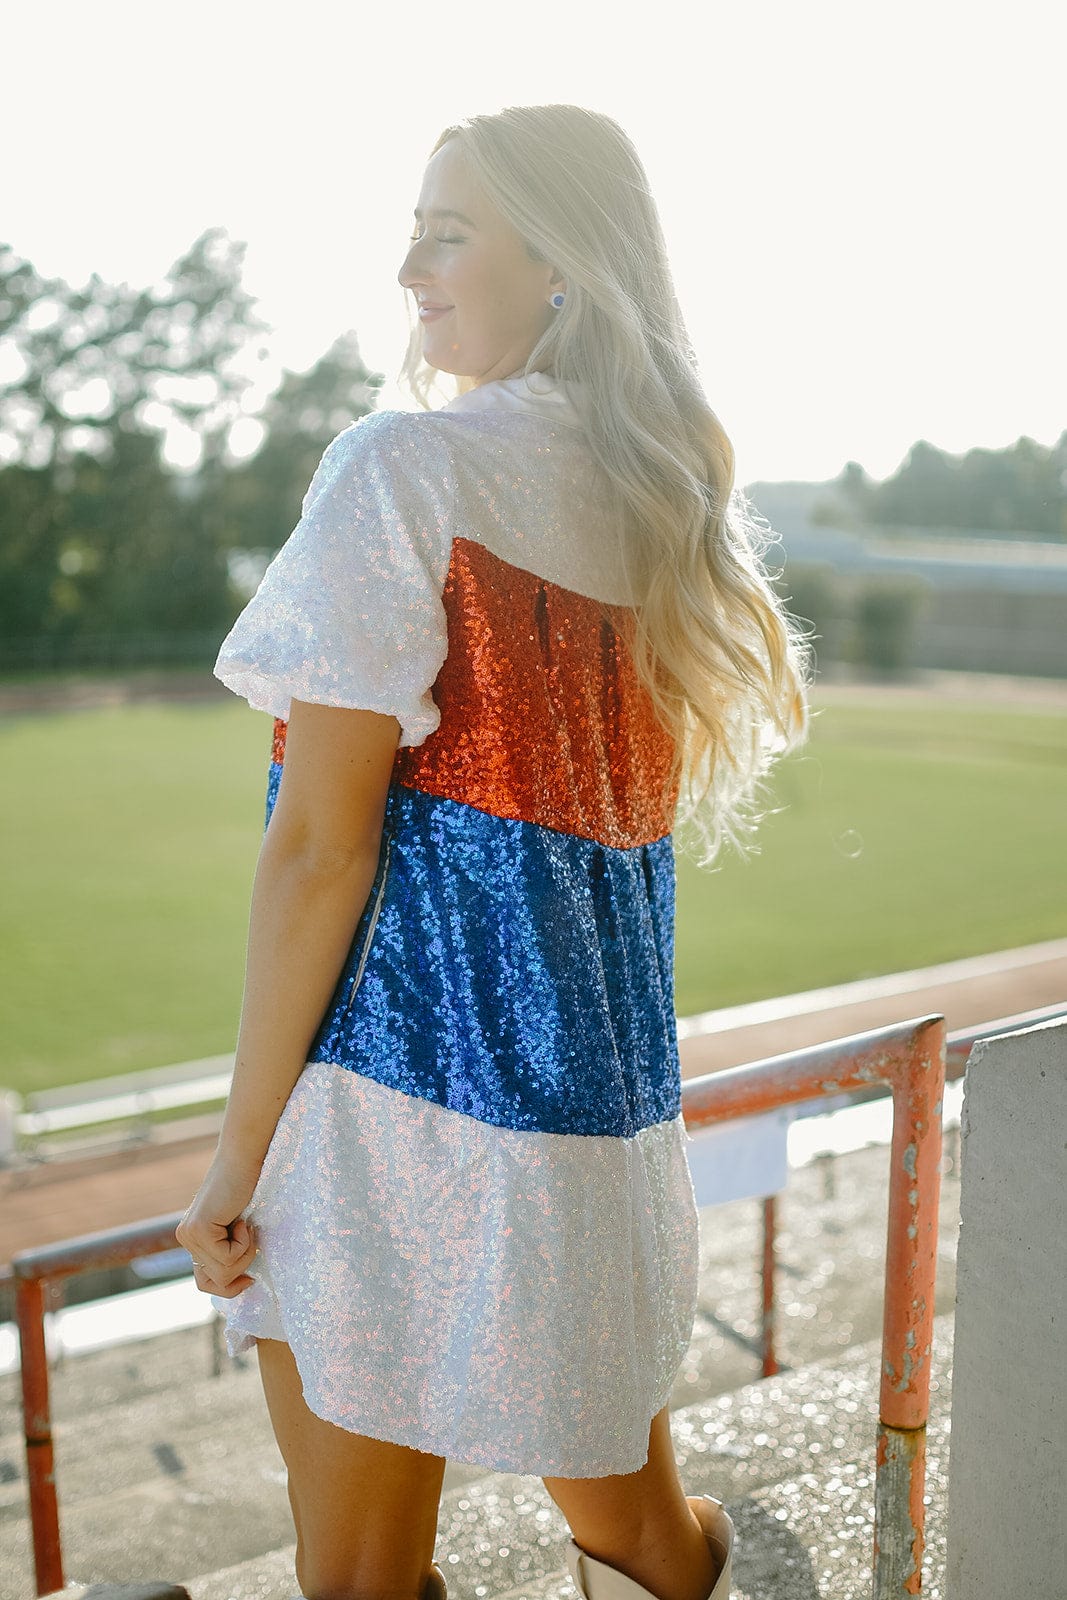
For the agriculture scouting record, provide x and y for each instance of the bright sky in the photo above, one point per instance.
(863, 203)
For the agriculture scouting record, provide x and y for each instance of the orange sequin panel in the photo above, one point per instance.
(542, 715)
(277, 749)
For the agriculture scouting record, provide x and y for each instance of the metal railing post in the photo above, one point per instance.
(910, 1058)
(908, 1323)
(34, 1271)
(770, 1231)
(37, 1428)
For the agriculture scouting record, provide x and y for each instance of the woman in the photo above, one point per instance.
(502, 637)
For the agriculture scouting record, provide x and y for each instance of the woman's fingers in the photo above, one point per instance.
(226, 1274)
(227, 1269)
(241, 1232)
(215, 1232)
(219, 1264)
(234, 1289)
(209, 1284)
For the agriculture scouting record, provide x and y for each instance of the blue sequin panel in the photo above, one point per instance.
(274, 778)
(513, 972)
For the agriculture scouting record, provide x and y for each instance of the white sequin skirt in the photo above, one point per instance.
(519, 1301)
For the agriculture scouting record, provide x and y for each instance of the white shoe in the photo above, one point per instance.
(436, 1587)
(596, 1580)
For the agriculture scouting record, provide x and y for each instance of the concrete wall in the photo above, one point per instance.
(1007, 1528)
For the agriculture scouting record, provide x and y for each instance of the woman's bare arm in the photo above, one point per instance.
(315, 869)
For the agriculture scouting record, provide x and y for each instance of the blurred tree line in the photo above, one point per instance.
(1017, 492)
(107, 552)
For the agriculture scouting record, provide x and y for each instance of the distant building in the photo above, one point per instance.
(993, 603)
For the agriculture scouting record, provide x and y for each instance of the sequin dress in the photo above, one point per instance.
(477, 1225)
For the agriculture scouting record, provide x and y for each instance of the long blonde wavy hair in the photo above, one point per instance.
(726, 666)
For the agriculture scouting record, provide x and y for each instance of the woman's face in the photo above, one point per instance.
(483, 304)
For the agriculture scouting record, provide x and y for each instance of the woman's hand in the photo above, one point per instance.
(220, 1241)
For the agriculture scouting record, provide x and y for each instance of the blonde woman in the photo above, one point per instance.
(506, 640)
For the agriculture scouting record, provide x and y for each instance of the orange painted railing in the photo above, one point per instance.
(958, 1048)
(910, 1057)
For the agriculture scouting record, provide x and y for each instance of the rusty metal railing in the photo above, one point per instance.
(957, 1049)
(913, 1060)
(908, 1057)
(33, 1270)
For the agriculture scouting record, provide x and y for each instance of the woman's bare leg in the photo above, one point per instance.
(641, 1523)
(365, 1510)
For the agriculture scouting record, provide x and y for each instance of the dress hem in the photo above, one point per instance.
(464, 1456)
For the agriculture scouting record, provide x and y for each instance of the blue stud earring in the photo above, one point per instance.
(557, 300)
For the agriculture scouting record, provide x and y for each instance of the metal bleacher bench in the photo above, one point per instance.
(132, 1098)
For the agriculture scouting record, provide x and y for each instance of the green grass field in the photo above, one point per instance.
(910, 833)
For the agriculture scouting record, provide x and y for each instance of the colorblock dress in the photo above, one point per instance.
(476, 1220)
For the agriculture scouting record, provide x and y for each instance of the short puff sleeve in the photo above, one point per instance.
(349, 612)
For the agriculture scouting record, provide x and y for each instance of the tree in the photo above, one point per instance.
(108, 358)
(924, 493)
(1020, 491)
(255, 504)
(101, 537)
(98, 537)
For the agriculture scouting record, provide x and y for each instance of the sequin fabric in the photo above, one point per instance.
(512, 972)
(520, 1301)
(477, 1224)
(542, 714)
(349, 612)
